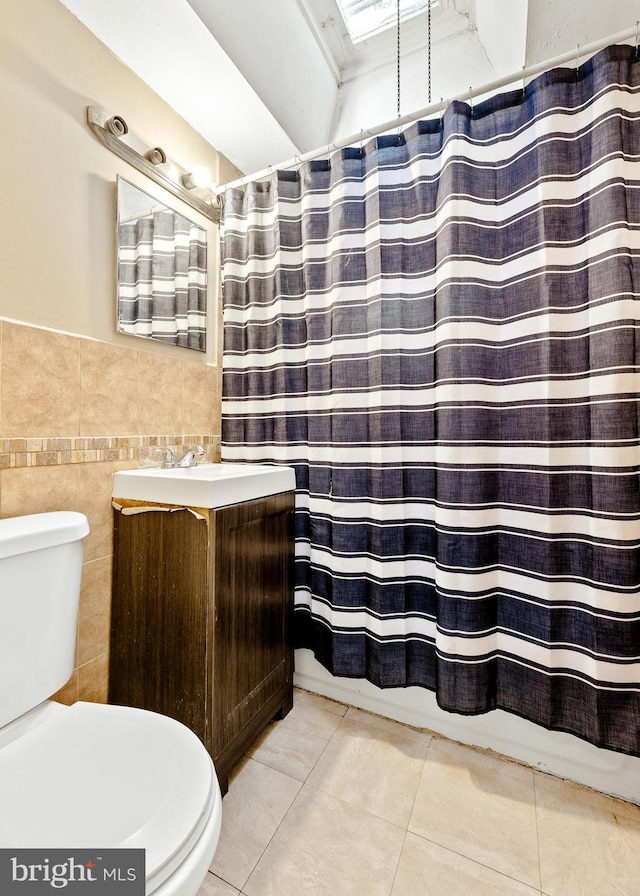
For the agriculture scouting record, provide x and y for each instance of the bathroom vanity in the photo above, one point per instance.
(202, 602)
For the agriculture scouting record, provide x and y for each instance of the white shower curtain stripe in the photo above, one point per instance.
(547, 460)
(454, 577)
(600, 670)
(411, 288)
(572, 392)
(510, 210)
(533, 604)
(528, 524)
(548, 327)
(454, 267)
(439, 331)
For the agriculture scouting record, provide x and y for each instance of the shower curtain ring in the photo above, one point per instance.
(471, 98)
(577, 61)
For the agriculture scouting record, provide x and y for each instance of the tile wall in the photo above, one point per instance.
(74, 410)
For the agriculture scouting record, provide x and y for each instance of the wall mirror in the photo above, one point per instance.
(162, 271)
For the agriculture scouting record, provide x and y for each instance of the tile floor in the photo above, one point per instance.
(333, 801)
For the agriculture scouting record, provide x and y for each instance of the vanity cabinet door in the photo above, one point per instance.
(252, 652)
(159, 615)
(200, 620)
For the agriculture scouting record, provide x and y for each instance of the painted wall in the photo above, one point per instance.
(371, 96)
(554, 28)
(78, 400)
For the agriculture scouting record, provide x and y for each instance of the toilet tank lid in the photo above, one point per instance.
(21, 534)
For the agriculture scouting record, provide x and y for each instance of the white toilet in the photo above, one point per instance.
(88, 775)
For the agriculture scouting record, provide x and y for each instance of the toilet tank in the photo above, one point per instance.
(40, 570)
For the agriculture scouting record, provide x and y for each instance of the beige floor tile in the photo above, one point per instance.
(320, 702)
(213, 886)
(480, 806)
(294, 744)
(372, 768)
(589, 843)
(419, 735)
(257, 801)
(431, 870)
(325, 847)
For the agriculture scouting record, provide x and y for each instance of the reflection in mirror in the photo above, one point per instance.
(162, 271)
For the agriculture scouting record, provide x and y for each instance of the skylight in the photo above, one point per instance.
(365, 18)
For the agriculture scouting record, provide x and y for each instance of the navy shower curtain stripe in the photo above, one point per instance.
(439, 332)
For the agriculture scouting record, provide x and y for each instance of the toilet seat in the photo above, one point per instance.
(101, 776)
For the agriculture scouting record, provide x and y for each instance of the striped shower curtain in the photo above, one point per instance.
(162, 279)
(439, 331)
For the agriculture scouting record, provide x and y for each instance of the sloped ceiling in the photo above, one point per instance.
(265, 81)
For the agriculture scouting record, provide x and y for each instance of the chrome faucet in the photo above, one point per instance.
(188, 459)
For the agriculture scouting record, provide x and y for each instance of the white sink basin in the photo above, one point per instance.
(205, 485)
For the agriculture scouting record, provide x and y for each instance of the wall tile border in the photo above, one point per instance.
(95, 449)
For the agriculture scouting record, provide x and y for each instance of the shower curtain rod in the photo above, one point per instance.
(530, 71)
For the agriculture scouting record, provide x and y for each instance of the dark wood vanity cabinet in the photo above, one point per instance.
(201, 610)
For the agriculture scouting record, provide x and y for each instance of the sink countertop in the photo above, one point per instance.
(205, 485)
